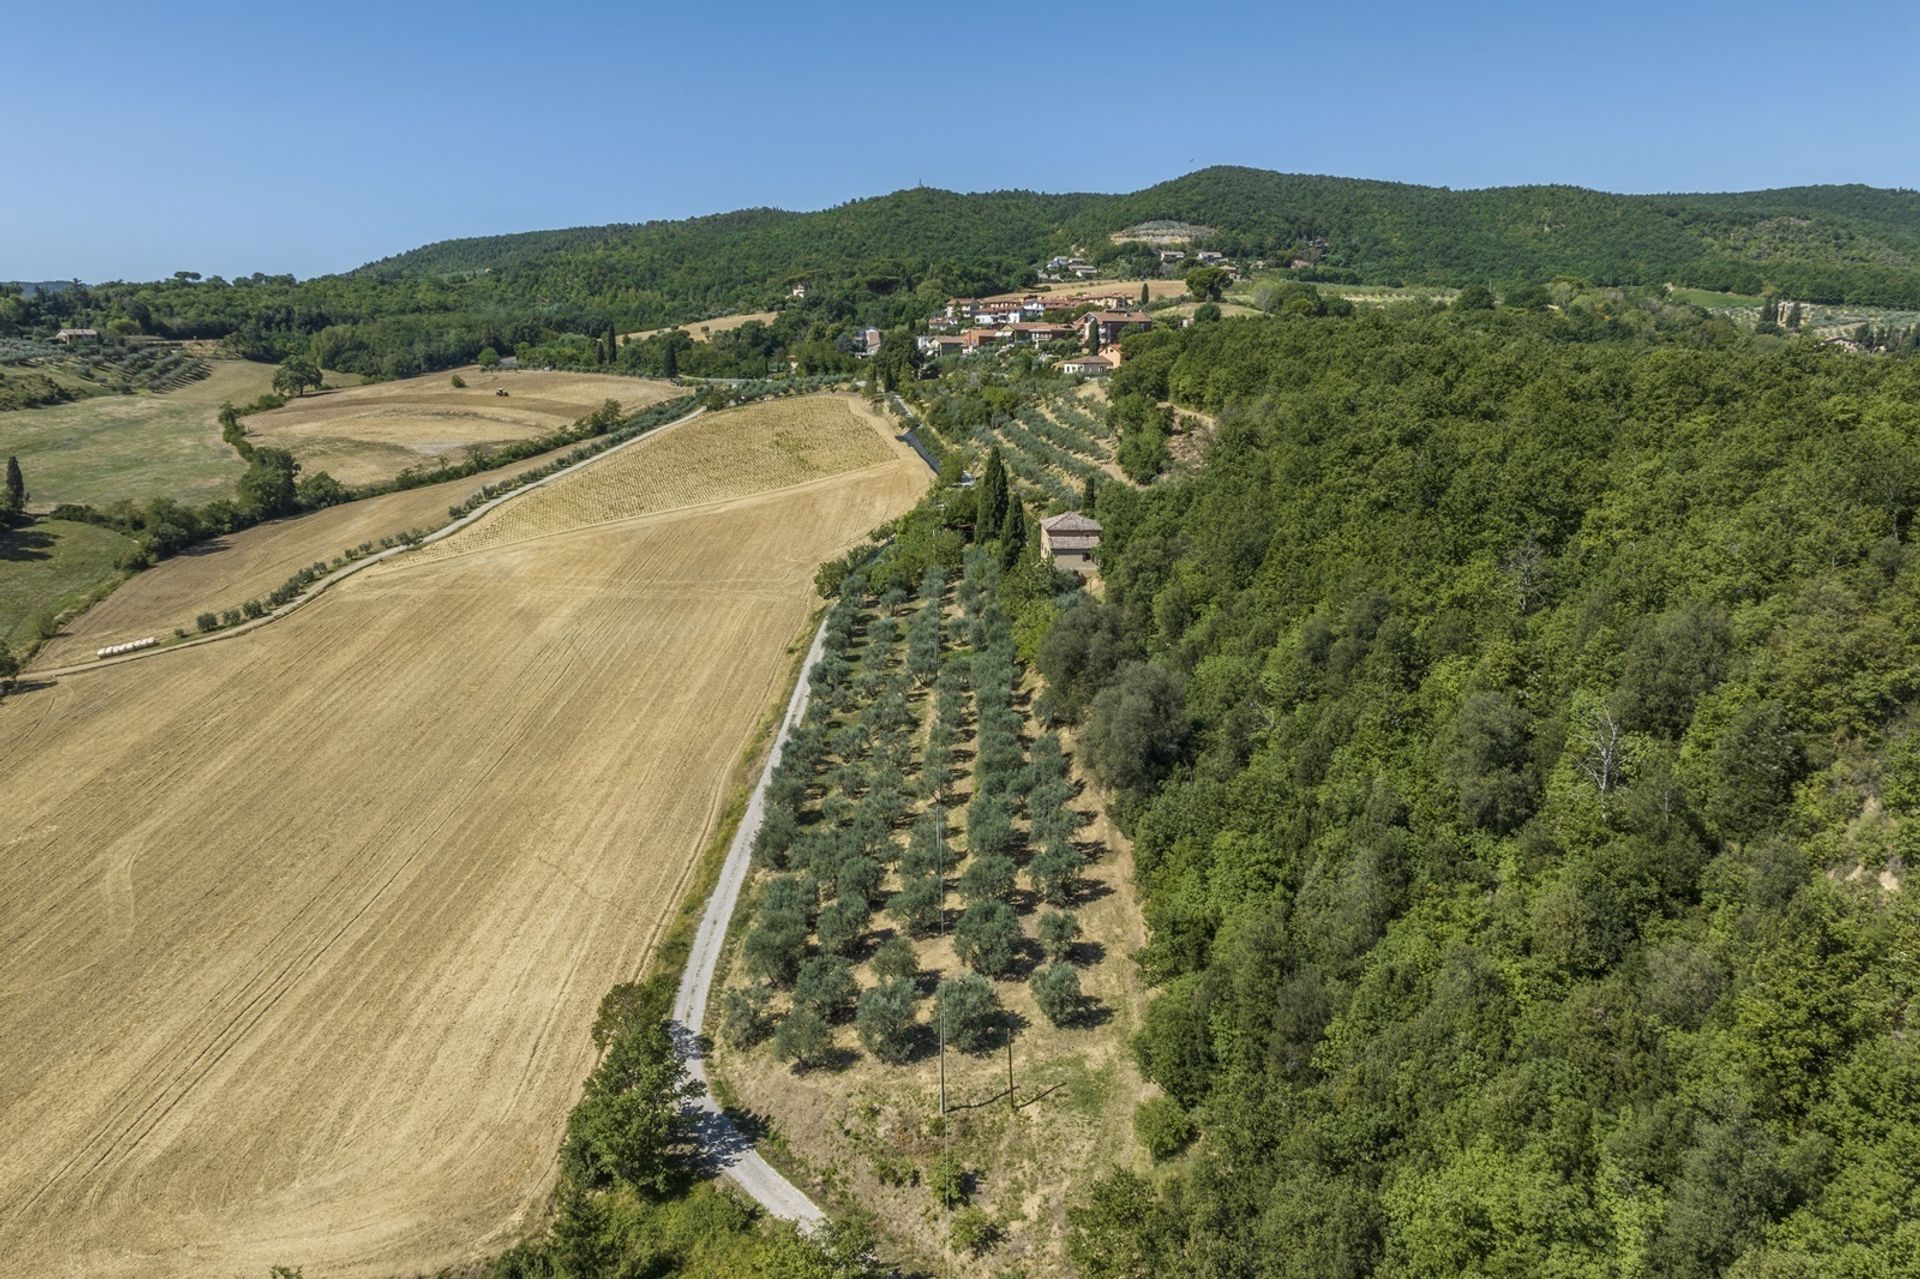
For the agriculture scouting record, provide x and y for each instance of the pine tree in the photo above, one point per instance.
(15, 501)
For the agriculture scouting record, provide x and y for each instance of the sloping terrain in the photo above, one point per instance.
(339, 897)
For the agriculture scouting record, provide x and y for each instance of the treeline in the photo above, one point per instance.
(1515, 721)
(272, 486)
(1828, 244)
(631, 1200)
(894, 258)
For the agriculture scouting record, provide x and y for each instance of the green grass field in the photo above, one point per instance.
(107, 447)
(48, 567)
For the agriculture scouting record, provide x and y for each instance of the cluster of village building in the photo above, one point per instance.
(970, 325)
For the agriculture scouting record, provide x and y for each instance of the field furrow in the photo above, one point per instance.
(305, 929)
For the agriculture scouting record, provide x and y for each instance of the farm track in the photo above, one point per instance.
(339, 899)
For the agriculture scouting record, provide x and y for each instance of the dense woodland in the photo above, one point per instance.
(1515, 717)
(563, 295)
(1515, 709)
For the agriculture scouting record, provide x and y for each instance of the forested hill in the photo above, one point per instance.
(1517, 719)
(889, 261)
(1838, 243)
(750, 256)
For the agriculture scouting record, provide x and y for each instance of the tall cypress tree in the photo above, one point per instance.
(1088, 493)
(1143, 293)
(993, 495)
(16, 498)
(1013, 533)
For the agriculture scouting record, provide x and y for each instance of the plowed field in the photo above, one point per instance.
(303, 930)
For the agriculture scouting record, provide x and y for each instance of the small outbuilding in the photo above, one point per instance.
(1069, 541)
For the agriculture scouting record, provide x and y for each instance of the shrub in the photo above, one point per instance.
(1163, 1127)
(744, 1019)
(457, 382)
(987, 938)
(1058, 931)
(895, 958)
(974, 1231)
(803, 1038)
(825, 985)
(1056, 989)
(885, 1020)
(968, 1011)
(948, 1179)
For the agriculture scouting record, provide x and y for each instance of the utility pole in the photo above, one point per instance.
(1011, 1108)
(939, 1002)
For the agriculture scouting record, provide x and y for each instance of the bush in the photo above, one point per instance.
(826, 986)
(1058, 931)
(974, 1232)
(1163, 1127)
(744, 1019)
(987, 938)
(969, 1012)
(457, 382)
(1056, 989)
(948, 1179)
(803, 1038)
(885, 1020)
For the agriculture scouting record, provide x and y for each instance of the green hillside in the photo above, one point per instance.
(1840, 243)
(886, 261)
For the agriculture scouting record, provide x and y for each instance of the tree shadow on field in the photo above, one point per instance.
(24, 545)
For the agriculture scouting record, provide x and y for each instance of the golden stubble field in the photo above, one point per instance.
(703, 330)
(305, 929)
(371, 433)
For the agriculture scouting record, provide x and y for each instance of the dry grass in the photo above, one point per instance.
(339, 897)
(372, 433)
(767, 446)
(1227, 309)
(108, 447)
(228, 571)
(1156, 288)
(703, 330)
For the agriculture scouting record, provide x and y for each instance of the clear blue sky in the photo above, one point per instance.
(148, 138)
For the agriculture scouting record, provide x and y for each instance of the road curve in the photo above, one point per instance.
(725, 1148)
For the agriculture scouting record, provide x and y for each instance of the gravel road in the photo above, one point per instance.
(726, 1148)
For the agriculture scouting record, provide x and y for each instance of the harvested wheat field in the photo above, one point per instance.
(770, 445)
(372, 433)
(230, 570)
(305, 929)
(703, 330)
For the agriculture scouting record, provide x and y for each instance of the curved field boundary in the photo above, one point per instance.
(321, 585)
(726, 1147)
